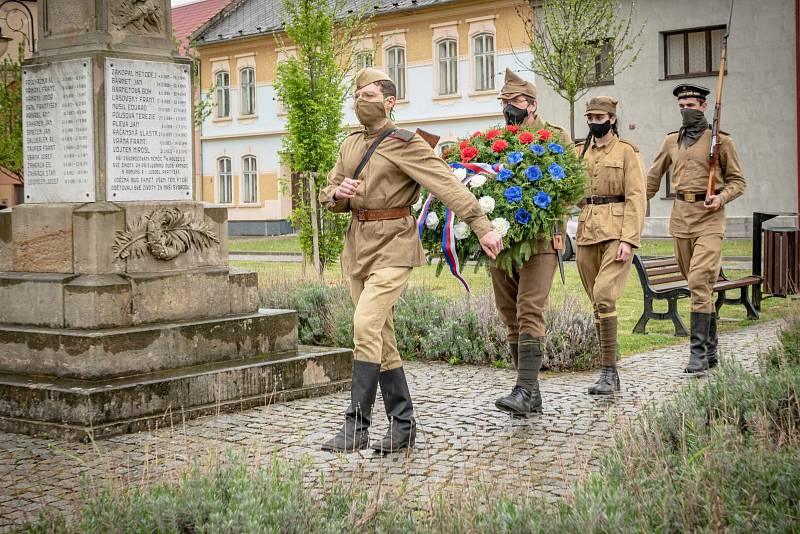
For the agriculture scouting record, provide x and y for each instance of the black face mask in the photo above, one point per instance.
(514, 115)
(599, 130)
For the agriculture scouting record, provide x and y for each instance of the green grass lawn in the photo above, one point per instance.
(650, 247)
(663, 247)
(629, 307)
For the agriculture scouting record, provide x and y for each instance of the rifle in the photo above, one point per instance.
(713, 154)
(431, 139)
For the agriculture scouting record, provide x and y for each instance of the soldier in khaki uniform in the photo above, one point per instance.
(381, 247)
(522, 297)
(697, 224)
(609, 227)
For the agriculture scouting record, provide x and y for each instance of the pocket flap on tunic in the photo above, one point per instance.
(613, 163)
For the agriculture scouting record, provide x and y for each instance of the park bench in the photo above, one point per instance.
(661, 279)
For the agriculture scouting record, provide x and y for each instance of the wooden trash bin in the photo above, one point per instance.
(781, 261)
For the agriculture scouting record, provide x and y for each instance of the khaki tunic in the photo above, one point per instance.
(392, 179)
(541, 124)
(690, 169)
(614, 169)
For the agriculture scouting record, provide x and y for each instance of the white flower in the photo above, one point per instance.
(460, 173)
(477, 181)
(418, 204)
(487, 204)
(432, 220)
(461, 230)
(501, 226)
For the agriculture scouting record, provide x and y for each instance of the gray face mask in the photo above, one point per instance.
(694, 125)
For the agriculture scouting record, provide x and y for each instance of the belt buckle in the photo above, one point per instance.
(689, 197)
(362, 214)
(593, 199)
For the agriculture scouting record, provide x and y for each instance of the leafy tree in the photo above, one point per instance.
(313, 86)
(11, 114)
(576, 43)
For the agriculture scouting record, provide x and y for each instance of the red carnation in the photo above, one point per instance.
(463, 144)
(468, 153)
(512, 128)
(544, 135)
(525, 138)
(491, 134)
(476, 134)
(499, 145)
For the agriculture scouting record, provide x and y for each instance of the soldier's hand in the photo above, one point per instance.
(492, 244)
(624, 252)
(347, 189)
(713, 203)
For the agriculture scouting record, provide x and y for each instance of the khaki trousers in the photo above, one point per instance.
(522, 298)
(373, 325)
(699, 259)
(602, 276)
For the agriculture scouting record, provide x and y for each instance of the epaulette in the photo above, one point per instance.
(634, 147)
(554, 126)
(724, 133)
(402, 135)
(676, 131)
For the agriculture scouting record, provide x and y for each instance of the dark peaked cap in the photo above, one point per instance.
(688, 90)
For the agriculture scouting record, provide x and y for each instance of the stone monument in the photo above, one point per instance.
(118, 310)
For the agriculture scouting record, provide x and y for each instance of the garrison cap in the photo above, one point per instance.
(602, 104)
(369, 75)
(514, 85)
(688, 90)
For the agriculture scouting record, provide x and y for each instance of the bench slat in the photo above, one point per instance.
(659, 263)
(656, 271)
(667, 280)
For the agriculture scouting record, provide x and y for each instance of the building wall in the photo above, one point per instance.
(759, 100)
(16, 24)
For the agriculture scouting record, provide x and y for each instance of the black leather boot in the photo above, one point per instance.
(525, 398)
(712, 343)
(354, 434)
(607, 384)
(700, 324)
(402, 431)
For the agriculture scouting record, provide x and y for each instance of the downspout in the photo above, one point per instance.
(797, 97)
(200, 134)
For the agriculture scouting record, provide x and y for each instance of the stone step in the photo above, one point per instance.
(116, 352)
(76, 409)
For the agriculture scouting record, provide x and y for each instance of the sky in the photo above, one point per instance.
(176, 3)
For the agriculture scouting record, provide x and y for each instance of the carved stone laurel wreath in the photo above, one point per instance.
(165, 233)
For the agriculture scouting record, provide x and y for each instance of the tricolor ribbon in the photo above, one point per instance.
(448, 235)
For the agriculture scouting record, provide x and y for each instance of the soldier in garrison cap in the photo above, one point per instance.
(382, 246)
(609, 227)
(697, 223)
(522, 297)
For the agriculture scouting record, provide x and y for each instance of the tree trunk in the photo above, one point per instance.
(572, 119)
(312, 192)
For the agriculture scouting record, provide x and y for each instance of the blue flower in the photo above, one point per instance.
(504, 175)
(556, 171)
(514, 193)
(522, 216)
(538, 150)
(542, 200)
(533, 173)
(555, 148)
(515, 157)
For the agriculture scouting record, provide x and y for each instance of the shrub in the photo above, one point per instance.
(432, 327)
(788, 353)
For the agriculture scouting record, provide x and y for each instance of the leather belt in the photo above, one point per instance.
(693, 197)
(608, 199)
(381, 215)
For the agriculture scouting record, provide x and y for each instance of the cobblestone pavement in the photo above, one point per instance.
(462, 437)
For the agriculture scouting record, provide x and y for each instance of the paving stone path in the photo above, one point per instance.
(462, 438)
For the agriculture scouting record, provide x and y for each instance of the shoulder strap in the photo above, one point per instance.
(371, 150)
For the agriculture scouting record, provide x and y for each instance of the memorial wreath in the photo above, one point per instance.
(525, 180)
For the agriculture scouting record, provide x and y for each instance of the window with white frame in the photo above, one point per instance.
(447, 64)
(249, 180)
(247, 88)
(445, 147)
(396, 61)
(364, 59)
(224, 181)
(222, 82)
(483, 50)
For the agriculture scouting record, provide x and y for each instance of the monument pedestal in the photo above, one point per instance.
(118, 311)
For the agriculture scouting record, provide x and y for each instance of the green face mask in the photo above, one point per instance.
(369, 113)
